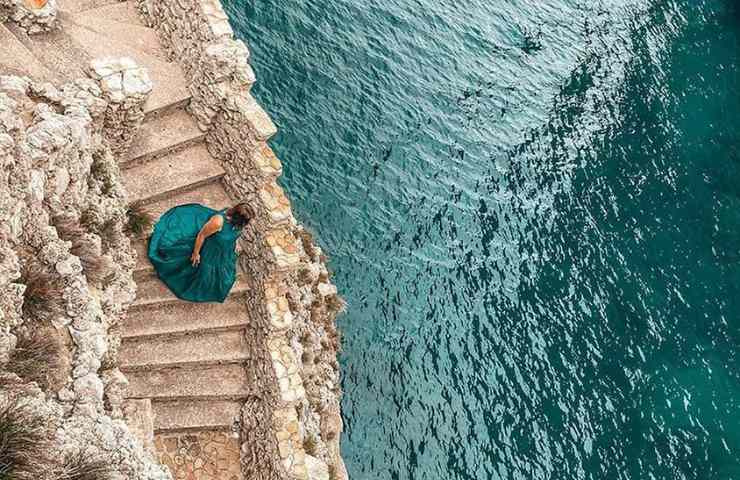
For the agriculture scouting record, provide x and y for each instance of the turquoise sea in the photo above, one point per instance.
(533, 210)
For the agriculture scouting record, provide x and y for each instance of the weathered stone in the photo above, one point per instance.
(317, 469)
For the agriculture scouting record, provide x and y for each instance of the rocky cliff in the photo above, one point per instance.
(65, 280)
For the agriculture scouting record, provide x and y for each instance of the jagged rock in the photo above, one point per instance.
(48, 138)
(317, 469)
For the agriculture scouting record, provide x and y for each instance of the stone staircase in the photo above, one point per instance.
(186, 359)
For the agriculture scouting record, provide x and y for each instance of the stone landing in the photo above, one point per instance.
(204, 456)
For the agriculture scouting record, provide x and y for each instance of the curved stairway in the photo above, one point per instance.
(186, 359)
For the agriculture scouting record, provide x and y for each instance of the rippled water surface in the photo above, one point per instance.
(533, 210)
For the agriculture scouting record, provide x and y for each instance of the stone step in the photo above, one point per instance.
(215, 382)
(178, 172)
(182, 318)
(142, 258)
(74, 6)
(161, 135)
(18, 59)
(170, 87)
(204, 348)
(122, 22)
(150, 291)
(194, 415)
(211, 195)
(139, 417)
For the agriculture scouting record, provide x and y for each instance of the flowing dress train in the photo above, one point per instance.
(171, 246)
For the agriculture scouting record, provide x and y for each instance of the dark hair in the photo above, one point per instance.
(240, 214)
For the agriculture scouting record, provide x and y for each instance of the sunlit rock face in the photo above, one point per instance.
(63, 211)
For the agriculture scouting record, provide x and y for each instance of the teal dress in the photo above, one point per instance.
(171, 246)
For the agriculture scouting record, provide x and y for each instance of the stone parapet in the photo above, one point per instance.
(125, 87)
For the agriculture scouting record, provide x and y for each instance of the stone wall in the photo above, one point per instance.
(291, 427)
(57, 175)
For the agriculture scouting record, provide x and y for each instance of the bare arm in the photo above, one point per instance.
(213, 225)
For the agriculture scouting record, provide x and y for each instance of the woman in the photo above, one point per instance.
(193, 250)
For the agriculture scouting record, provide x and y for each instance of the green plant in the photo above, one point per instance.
(43, 298)
(23, 442)
(139, 220)
(310, 445)
(84, 466)
(36, 358)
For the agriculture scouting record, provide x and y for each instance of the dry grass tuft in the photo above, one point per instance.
(23, 442)
(43, 299)
(36, 358)
(139, 219)
(94, 264)
(68, 227)
(100, 170)
(89, 220)
(83, 466)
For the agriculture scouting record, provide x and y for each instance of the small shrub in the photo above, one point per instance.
(304, 276)
(306, 239)
(83, 466)
(96, 267)
(335, 304)
(139, 220)
(310, 445)
(36, 358)
(43, 299)
(23, 442)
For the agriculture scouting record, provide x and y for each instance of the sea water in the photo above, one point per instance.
(532, 208)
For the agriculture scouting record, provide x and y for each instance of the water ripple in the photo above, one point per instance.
(533, 209)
